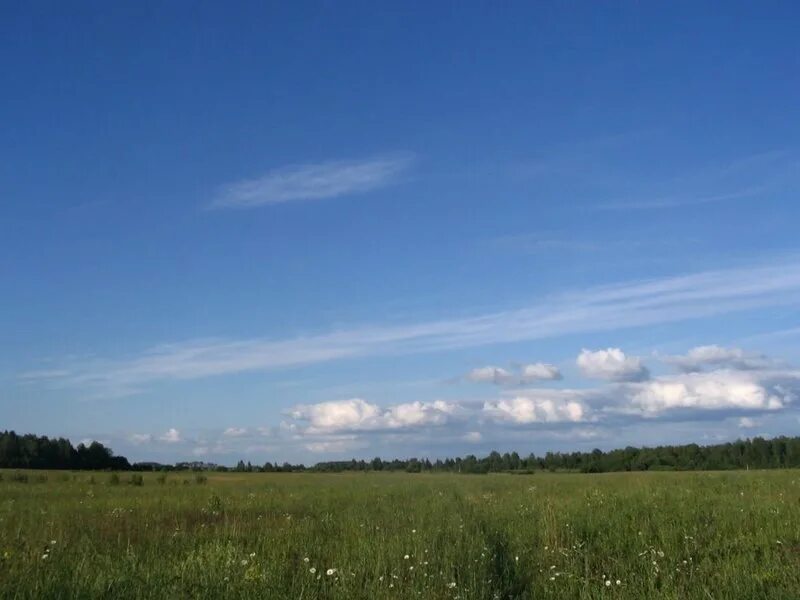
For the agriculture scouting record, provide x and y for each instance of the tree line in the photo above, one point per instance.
(33, 452)
(40, 452)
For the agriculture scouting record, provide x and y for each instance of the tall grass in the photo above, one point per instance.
(624, 535)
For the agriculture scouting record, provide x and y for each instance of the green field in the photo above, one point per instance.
(371, 535)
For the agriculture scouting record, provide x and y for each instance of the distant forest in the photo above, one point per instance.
(40, 452)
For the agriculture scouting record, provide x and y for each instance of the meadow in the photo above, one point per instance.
(396, 535)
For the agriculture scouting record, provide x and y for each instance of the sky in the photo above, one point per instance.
(320, 230)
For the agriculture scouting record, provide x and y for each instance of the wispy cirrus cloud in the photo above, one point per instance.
(603, 308)
(314, 181)
(742, 178)
(681, 200)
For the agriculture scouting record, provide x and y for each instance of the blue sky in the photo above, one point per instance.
(308, 231)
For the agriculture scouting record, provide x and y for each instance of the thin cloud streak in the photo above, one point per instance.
(746, 177)
(677, 201)
(313, 181)
(603, 308)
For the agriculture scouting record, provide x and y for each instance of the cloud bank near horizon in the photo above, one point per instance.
(736, 394)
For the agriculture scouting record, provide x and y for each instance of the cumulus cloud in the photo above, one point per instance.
(171, 436)
(473, 437)
(612, 365)
(540, 372)
(235, 432)
(529, 373)
(547, 406)
(313, 181)
(748, 423)
(723, 389)
(415, 414)
(141, 438)
(490, 374)
(356, 414)
(713, 356)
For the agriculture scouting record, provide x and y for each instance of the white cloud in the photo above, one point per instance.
(540, 372)
(473, 437)
(748, 423)
(529, 373)
(415, 414)
(313, 181)
(172, 436)
(358, 415)
(490, 374)
(141, 438)
(716, 390)
(715, 356)
(200, 451)
(541, 406)
(612, 365)
(338, 415)
(615, 307)
(235, 432)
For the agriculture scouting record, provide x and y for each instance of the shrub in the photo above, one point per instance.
(114, 479)
(161, 478)
(200, 479)
(136, 479)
